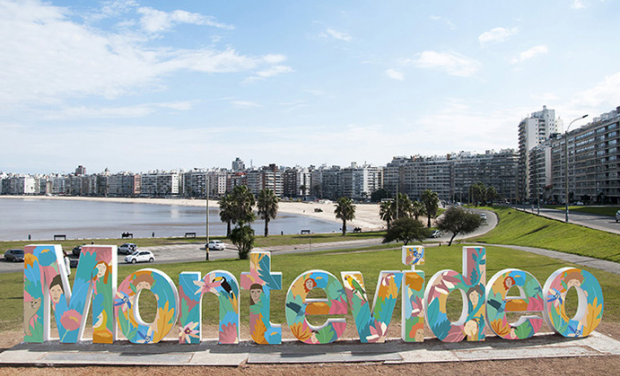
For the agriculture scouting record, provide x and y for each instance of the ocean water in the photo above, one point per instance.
(38, 219)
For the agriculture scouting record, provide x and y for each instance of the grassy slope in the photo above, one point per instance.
(600, 210)
(526, 229)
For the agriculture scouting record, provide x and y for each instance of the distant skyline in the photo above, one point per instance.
(144, 85)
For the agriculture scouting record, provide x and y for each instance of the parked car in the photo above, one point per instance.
(140, 256)
(617, 216)
(14, 255)
(216, 245)
(436, 234)
(127, 248)
(77, 250)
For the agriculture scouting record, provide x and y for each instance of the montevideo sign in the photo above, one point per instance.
(115, 306)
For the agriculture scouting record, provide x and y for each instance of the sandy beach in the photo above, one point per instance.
(366, 215)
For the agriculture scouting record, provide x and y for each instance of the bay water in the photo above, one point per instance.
(39, 219)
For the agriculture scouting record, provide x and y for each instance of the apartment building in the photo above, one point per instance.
(160, 184)
(534, 130)
(593, 162)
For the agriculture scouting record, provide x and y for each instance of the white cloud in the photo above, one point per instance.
(602, 97)
(274, 71)
(336, 35)
(529, 54)
(395, 75)
(154, 20)
(451, 63)
(449, 23)
(245, 104)
(47, 58)
(142, 110)
(497, 35)
(578, 4)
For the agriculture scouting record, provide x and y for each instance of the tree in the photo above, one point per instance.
(345, 210)
(226, 214)
(405, 206)
(318, 191)
(387, 211)
(418, 209)
(430, 200)
(242, 201)
(243, 237)
(459, 221)
(491, 194)
(405, 230)
(379, 194)
(303, 189)
(267, 204)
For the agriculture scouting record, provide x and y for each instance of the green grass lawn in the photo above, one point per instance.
(261, 241)
(370, 263)
(600, 210)
(519, 228)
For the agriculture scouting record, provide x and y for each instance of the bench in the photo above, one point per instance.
(305, 232)
(357, 229)
(190, 234)
(60, 237)
(126, 235)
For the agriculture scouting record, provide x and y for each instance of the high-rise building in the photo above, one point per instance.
(534, 130)
(238, 165)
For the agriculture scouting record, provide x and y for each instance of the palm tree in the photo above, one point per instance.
(418, 209)
(242, 201)
(226, 214)
(405, 206)
(267, 204)
(386, 212)
(430, 200)
(345, 210)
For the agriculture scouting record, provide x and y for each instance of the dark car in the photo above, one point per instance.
(14, 255)
(77, 250)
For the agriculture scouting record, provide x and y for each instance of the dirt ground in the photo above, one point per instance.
(607, 365)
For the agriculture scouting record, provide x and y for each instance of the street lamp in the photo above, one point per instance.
(566, 141)
(207, 237)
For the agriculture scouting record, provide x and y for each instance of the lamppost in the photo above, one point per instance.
(207, 237)
(566, 142)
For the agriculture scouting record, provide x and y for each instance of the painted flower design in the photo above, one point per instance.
(145, 338)
(188, 332)
(71, 319)
(122, 301)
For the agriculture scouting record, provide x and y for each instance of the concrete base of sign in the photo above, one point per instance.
(394, 351)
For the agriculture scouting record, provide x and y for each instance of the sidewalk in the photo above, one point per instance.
(393, 352)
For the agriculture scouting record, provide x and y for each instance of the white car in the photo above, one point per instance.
(483, 216)
(216, 245)
(436, 234)
(617, 216)
(127, 248)
(140, 256)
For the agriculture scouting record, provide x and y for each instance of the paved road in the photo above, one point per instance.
(595, 221)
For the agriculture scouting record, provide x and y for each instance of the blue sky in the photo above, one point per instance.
(142, 85)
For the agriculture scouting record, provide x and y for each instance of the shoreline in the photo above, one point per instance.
(366, 215)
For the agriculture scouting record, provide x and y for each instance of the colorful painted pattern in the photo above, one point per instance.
(260, 281)
(590, 310)
(413, 295)
(472, 285)
(225, 286)
(530, 299)
(127, 312)
(372, 327)
(46, 282)
(297, 307)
